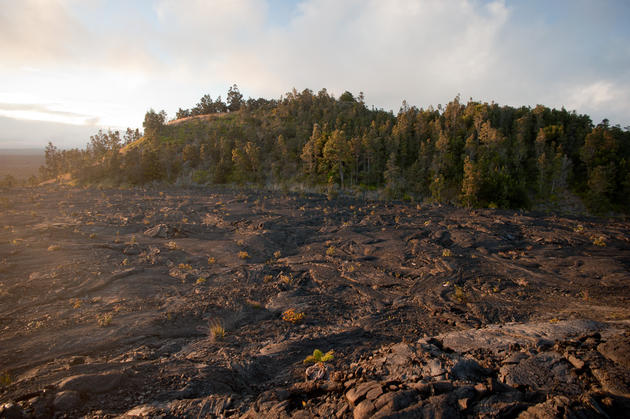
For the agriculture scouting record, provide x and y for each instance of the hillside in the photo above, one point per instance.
(473, 154)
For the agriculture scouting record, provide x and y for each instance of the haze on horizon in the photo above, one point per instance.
(70, 67)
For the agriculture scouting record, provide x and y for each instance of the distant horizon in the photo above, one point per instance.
(18, 151)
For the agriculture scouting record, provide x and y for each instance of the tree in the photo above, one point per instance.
(220, 106)
(153, 123)
(347, 97)
(52, 162)
(131, 136)
(471, 183)
(234, 99)
(336, 155)
(310, 153)
(182, 113)
(393, 177)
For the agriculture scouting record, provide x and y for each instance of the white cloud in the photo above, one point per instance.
(599, 98)
(390, 50)
(38, 31)
(114, 59)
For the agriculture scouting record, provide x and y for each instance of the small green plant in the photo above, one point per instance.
(185, 266)
(293, 316)
(319, 356)
(330, 251)
(447, 253)
(201, 281)
(211, 260)
(579, 228)
(243, 255)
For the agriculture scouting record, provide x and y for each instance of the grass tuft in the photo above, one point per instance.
(599, 241)
(105, 320)
(293, 316)
(217, 330)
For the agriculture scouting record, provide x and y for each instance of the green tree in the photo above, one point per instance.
(153, 123)
(471, 183)
(234, 99)
(336, 155)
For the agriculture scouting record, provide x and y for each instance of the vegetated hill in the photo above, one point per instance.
(474, 154)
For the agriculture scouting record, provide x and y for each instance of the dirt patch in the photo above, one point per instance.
(200, 302)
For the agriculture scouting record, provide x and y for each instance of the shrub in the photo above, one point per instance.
(293, 316)
(460, 294)
(105, 320)
(319, 356)
(599, 241)
(217, 330)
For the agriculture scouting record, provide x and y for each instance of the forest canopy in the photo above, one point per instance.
(472, 154)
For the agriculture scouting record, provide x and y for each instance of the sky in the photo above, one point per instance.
(71, 67)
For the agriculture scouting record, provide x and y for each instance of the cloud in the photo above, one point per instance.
(33, 107)
(17, 133)
(116, 58)
(38, 31)
(388, 49)
(599, 98)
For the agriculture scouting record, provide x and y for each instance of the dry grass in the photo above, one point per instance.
(217, 330)
(105, 320)
(599, 241)
(293, 316)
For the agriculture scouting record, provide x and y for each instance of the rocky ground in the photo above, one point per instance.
(203, 303)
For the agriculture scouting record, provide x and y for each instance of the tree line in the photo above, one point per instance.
(472, 154)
